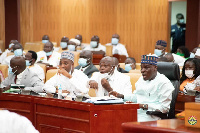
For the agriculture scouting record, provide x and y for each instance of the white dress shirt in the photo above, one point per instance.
(119, 82)
(157, 93)
(178, 59)
(4, 55)
(38, 70)
(6, 61)
(53, 60)
(118, 49)
(13, 123)
(77, 84)
(100, 47)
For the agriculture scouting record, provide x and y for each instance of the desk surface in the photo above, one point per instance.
(160, 126)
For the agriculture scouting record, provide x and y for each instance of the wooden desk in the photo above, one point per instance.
(160, 126)
(54, 115)
(180, 102)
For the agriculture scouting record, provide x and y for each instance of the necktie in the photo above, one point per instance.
(15, 80)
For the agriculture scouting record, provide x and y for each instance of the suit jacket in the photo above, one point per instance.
(122, 70)
(88, 71)
(29, 79)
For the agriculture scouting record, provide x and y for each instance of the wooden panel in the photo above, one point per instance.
(2, 23)
(140, 23)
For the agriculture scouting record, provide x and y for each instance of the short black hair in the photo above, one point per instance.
(185, 51)
(34, 54)
(179, 14)
(133, 59)
(196, 71)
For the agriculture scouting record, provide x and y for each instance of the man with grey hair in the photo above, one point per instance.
(72, 81)
(108, 79)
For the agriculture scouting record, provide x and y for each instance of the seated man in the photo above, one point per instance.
(161, 51)
(85, 63)
(18, 51)
(72, 44)
(170, 57)
(63, 44)
(30, 58)
(130, 64)
(118, 48)
(22, 75)
(108, 79)
(7, 51)
(71, 80)
(45, 39)
(153, 90)
(96, 46)
(117, 65)
(48, 56)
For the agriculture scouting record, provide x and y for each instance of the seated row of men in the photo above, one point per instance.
(151, 92)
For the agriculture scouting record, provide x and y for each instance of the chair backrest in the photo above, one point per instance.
(50, 73)
(134, 78)
(4, 70)
(122, 65)
(43, 66)
(172, 72)
(109, 50)
(2, 47)
(138, 66)
(34, 46)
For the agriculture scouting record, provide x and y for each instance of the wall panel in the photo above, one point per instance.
(140, 23)
(2, 22)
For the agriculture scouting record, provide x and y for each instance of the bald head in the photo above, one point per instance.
(115, 36)
(64, 39)
(169, 57)
(106, 65)
(45, 37)
(79, 37)
(17, 46)
(18, 64)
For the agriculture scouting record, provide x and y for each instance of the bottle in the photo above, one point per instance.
(60, 92)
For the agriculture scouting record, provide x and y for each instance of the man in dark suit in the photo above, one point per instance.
(85, 63)
(117, 65)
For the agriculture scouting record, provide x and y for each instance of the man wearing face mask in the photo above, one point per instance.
(8, 51)
(31, 57)
(45, 39)
(85, 63)
(108, 79)
(130, 64)
(48, 56)
(63, 44)
(18, 51)
(72, 81)
(72, 44)
(117, 65)
(118, 48)
(153, 90)
(20, 74)
(192, 54)
(178, 32)
(95, 45)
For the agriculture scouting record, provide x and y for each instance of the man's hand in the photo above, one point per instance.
(116, 94)
(93, 84)
(64, 72)
(197, 88)
(143, 106)
(106, 85)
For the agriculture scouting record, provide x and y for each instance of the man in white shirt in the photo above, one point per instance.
(13, 123)
(31, 57)
(72, 81)
(48, 56)
(95, 45)
(130, 64)
(153, 90)
(19, 74)
(118, 48)
(18, 51)
(45, 39)
(7, 51)
(108, 79)
(160, 50)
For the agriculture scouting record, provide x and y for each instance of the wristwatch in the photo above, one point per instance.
(145, 106)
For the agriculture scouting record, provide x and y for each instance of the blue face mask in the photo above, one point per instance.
(10, 70)
(128, 67)
(93, 44)
(115, 41)
(18, 52)
(82, 62)
(71, 47)
(49, 53)
(192, 55)
(158, 52)
(181, 21)
(63, 44)
(28, 63)
(45, 41)
(10, 45)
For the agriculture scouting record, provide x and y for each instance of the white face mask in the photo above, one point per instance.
(158, 52)
(192, 55)
(115, 41)
(189, 73)
(107, 75)
(93, 44)
(71, 47)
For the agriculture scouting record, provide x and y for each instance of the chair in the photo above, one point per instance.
(50, 73)
(92, 92)
(109, 50)
(43, 66)
(172, 72)
(134, 78)
(2, 47)
(4, 70)
(122, 65)
(34, 46)
(138, 66)
(97, 66)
